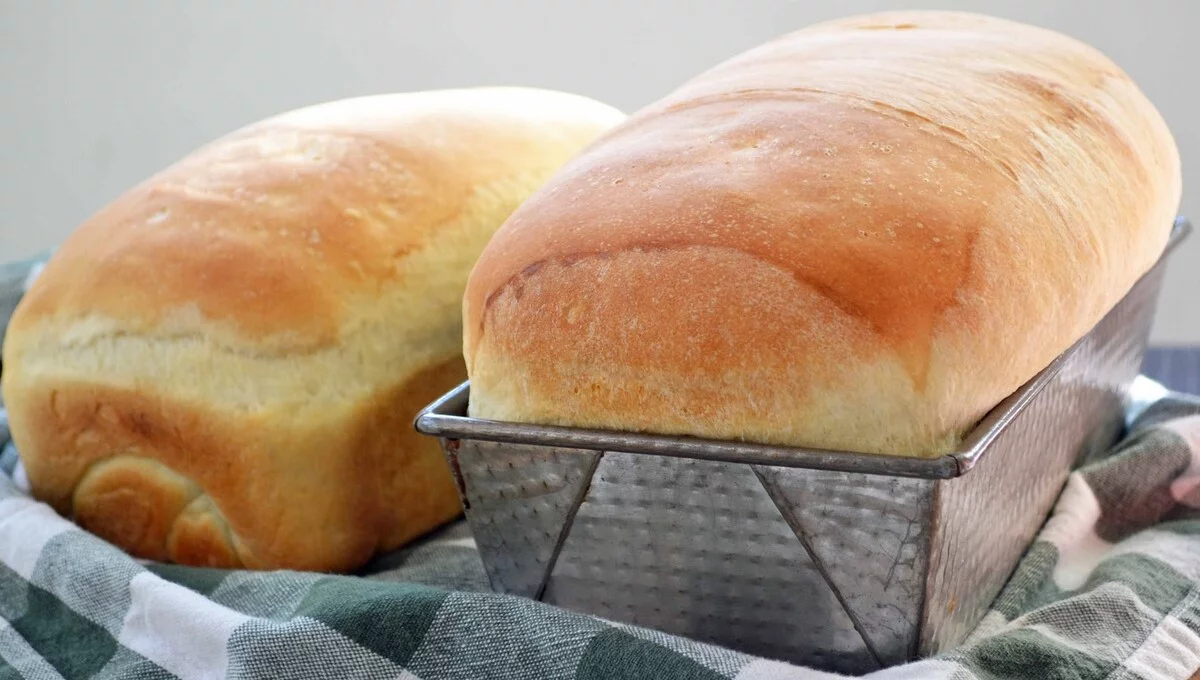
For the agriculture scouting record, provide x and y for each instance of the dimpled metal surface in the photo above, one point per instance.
(869, 537)
(697, 548)
(518, 499)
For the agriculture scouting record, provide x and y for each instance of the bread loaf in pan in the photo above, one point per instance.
(221, 367)
(861, 236)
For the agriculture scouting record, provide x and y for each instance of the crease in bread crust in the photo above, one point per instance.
(238, 556)
(154, 541)
(96, 466)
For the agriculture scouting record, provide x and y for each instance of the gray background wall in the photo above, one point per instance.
(95, 96)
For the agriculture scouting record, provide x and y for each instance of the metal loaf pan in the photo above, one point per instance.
(840, 561)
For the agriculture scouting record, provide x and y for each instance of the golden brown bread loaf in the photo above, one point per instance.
(222, 366)
(861, 236)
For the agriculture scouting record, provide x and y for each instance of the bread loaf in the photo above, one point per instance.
(222, 366)
(861, 236)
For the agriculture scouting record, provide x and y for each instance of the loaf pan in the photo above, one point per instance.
(838, 561)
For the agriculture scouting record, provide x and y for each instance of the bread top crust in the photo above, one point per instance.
(913, 213)
(272, 234)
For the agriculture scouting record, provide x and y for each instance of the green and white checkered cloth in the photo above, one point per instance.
(1111, 589)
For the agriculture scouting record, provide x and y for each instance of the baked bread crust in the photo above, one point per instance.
(861, 236)
(221, 367)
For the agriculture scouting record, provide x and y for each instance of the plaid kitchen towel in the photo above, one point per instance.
(1111, 589)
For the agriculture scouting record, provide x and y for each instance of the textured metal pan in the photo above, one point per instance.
(841, 561)
(985, 519)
